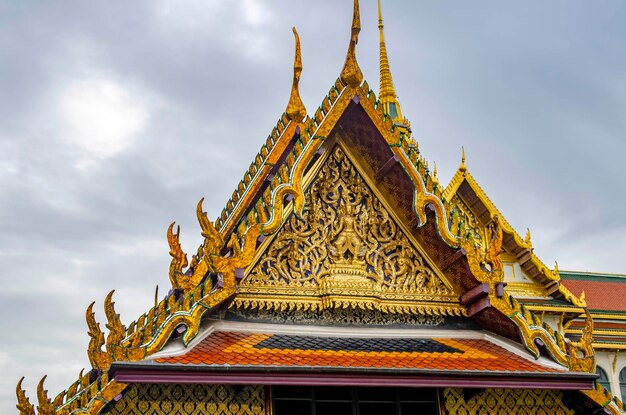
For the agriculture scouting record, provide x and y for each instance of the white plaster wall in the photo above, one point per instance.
(513, 273)
(605, 361)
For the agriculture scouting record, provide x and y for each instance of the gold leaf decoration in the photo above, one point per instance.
(148, 399)
(116, 330)
(23, 404)
(97, 358)
(295, 109)
(179, 258)
(507, 401)
(45, 406)
(345, 242)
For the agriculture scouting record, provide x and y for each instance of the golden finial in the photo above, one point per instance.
(295, 109)
(463, 167)
(556, 268)
(387, 93)
(114, 323)
(435, 179)
(97, 358)
(179, 258)
(527, 237)
(351, 74)
(23, 404)
(45, 406)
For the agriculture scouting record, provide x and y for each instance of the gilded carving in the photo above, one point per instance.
(98, 359)
(339, 316)
(295, 109)
(485, 240)
(351, 74)
(179, 259)
(344, 244)
(45, 406)
(148, 399)
(23, 404)
(532, 328)
(605, 400)
(586, 362)
(117, 331)
(507, 401)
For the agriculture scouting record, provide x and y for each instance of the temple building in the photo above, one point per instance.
(343, 278)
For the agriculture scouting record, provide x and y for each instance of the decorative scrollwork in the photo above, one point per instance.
(344, 237)
(151, 399)
(179, 259)
(213, 240)
(507, 401)
(45, 406)
(494, 245)
(114, 324)
(339, 316)
(23, 404)
(97, 358)
(605, 399)
(586, 362)
(295, 109)
(484, 241)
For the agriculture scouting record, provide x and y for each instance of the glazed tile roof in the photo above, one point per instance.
(263, 350)
(600, 294)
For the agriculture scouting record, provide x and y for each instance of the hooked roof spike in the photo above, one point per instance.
(527, 239)
(463, 167)
(296, 110)
(351, 74)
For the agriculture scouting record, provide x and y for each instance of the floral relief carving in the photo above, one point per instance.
(344, 240)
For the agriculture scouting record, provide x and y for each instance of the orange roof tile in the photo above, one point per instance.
(279, 350)
(600, 295)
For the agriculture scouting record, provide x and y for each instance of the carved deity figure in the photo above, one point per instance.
(348, 246)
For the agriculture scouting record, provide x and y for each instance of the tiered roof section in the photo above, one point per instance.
(605, 295)
(334, 355)
(472, 204)
(349, 162)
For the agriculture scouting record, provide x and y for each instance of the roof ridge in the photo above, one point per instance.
(463, 174)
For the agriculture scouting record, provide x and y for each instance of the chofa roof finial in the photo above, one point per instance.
(295, 109)
(351, 74)
(463, 167)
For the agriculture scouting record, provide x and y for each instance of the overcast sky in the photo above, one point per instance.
(117, 117)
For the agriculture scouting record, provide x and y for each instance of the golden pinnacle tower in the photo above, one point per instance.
(387, 93)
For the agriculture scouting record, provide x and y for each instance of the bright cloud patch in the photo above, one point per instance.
(255, 12)
(100, 116)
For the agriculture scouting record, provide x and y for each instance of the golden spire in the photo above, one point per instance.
(351, 74)
(387, 93)
(295, 109)
(463, 167)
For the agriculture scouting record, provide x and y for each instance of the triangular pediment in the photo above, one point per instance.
(346, 250)
(525, 274)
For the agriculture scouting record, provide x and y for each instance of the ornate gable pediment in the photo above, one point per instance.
(346, 250)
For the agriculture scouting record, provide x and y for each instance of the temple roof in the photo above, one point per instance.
(465, 192)
(339, 211)
(605, 295)
(602, 292)
(428, 355)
